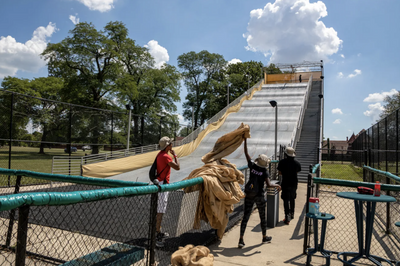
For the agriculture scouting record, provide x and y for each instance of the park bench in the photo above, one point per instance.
(118, 254)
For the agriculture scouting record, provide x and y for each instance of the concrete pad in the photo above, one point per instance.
(286, 246)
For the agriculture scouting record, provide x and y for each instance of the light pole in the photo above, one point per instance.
(227, 98)
(275, 104)
(128, 107)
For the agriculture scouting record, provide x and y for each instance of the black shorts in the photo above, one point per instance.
(289, 193)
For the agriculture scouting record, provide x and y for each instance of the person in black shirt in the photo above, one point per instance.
(288, 168)
(258, 175)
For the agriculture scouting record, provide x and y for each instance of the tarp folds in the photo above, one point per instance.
(220, 190)
(192, 256)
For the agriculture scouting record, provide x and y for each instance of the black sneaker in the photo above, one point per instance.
(241, 243)
(162, 235)
(159, 240)
(286, 221)
(267, 239)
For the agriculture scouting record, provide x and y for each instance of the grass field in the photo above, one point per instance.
(345, 171)
(27, 158)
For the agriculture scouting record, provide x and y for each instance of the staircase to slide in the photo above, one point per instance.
(307, 146)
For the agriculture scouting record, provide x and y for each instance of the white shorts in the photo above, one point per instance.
(162, 200)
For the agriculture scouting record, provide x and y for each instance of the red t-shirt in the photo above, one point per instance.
(162, 165)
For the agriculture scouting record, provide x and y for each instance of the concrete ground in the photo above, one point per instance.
(286, 246)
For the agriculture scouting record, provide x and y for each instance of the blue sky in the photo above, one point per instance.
(357, 39)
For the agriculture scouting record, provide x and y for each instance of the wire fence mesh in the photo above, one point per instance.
(341, 233)
(122, 225)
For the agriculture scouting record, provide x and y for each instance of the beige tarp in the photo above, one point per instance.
(127, 164)
(220, 190)
(192, 256)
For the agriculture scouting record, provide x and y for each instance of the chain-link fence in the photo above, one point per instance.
(73, 217)
(341, 233)
(381, 142)
(35, 129)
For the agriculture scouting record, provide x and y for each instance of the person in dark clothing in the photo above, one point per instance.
(300, 78)
(288, 169)
(258, 176)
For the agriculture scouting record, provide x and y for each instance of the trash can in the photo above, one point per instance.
(272, 205)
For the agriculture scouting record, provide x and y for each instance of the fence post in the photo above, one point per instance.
(10, 129)
(370, 164)
(152, 226)
(365, 163)
(20, 253)
(307, 222)
(12, 213)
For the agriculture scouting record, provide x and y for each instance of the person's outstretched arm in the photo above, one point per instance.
(175, 164)
(245, 149)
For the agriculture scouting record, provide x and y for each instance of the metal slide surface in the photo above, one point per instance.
(260, 116)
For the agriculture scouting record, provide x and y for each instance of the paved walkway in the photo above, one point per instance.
(286, 246)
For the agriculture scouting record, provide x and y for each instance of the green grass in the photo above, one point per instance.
(28, 158)
(345, 171)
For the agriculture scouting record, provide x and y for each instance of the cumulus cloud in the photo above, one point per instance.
(340, 75)
(374, 111)
(16, 56)
(337, 111)
(74, 19)
(98, 5)
(337, 121)
(355, 73)
(379, 97)
(291, 31)
(234, 61)
(159, 53)
(342, 56)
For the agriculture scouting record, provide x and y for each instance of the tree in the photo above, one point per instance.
(46, 115)
(198, 70)
(272, 69)
(391, 104)
(89, 63)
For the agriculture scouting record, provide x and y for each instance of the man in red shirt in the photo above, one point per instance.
(164, 165)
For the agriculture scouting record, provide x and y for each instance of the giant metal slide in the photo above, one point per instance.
(291, 101)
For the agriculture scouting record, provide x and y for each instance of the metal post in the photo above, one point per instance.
(129, 129)
(112, 130)
(12, 213)
(307, 221)
(10, 142)
(276, 130)
(70, 139)
(22, 235)
(152, 227)
(142, 129)
(365, 163)
(193, 117)
(397, 142)
(227, 96)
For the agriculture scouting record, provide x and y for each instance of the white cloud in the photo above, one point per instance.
(340, 75)
(355, 73)
(99, 5)
(74, 19)
(16, 56)
(342, 56)
(291, 31)
(337, 111)
(337, 121)
(374, 111)
(379, 97)
(159, 53)
(234, 61)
